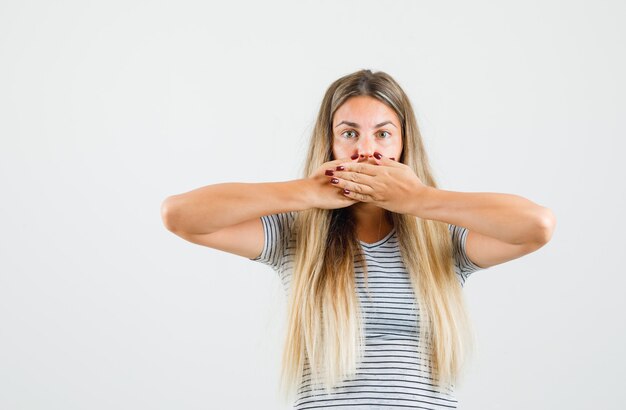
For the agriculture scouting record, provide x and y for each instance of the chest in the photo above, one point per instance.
(387, 297)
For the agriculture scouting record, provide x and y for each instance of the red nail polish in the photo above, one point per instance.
(345, 191)
(340, 168)
(392, 158)
(377, 155)
(334, 181)
(329, 172)
(355, 156)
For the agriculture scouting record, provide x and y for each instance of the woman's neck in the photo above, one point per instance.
(372, 222)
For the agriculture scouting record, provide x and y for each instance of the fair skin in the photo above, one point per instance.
(501, 227)
(362, 126)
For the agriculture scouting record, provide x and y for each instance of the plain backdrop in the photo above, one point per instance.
(107, 108)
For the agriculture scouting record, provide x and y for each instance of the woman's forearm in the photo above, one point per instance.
(210, 208)
(507, 217)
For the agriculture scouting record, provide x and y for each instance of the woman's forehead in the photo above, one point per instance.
(364, 111)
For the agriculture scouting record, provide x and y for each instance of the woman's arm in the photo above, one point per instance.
(509, 218)
(227, 216)
(501, 226)
(213, 207)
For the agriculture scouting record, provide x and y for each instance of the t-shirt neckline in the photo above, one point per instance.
(379, 242)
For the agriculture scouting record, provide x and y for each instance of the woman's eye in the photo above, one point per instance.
(384, 134)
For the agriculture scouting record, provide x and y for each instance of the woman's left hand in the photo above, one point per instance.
(384, 182)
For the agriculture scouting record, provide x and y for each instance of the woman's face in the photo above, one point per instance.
(363, 125)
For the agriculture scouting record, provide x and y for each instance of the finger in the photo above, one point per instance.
(360, 167)
(351, 186)
(343, 159)
(356, 195)
(332, 165)
(347, 197)
(355, 177)
(381, 159)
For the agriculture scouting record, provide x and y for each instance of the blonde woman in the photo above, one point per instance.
(372, 255)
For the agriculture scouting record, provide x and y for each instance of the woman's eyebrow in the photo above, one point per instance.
(354, 124)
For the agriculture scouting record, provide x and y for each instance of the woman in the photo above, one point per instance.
(373, 256)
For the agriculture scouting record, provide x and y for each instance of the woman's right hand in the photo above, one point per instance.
(326, 195)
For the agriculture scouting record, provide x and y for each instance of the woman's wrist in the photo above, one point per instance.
(301, 194)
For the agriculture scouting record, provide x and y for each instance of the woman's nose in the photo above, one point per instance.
(366, 148)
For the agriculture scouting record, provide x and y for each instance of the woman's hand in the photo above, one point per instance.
(384, 182)
(324, 195)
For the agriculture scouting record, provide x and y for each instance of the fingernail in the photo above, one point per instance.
(329, 172)
(345, 191)
(334, 181)
(392, 158)
(377, 155)
(340, 168)
(355, 156)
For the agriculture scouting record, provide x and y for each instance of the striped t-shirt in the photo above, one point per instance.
(390, 375)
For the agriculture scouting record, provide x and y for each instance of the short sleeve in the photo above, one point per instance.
(462, 264)
(277, 232)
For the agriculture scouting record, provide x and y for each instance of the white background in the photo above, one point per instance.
(107, 108)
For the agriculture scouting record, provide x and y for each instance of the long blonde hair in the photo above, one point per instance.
(324, 322)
